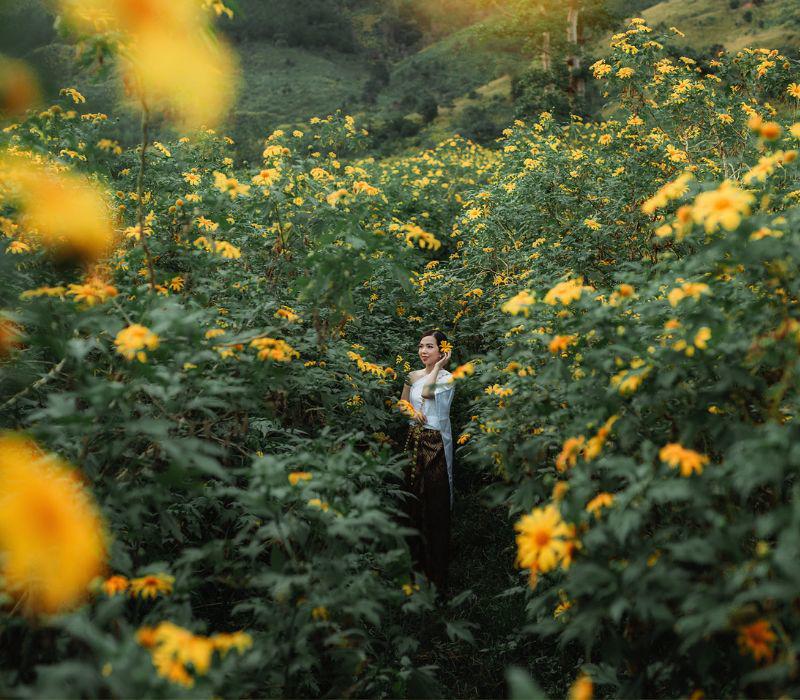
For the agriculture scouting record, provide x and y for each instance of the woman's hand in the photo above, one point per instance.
(420, 417)
(443, 360)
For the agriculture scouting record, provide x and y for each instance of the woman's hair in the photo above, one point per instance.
(436, 334)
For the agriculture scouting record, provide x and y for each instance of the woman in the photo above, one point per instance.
(429, 478)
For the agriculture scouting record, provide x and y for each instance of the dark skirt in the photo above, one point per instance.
(428, 506)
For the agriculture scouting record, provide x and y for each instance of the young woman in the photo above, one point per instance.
(429, 478)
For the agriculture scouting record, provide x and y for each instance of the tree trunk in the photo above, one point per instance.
(577, 85)
(546, 51)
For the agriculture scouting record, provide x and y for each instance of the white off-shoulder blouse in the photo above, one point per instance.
(437, 413)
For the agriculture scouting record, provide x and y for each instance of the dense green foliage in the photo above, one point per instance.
(626, 294)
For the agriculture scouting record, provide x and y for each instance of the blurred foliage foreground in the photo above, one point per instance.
(199, 484)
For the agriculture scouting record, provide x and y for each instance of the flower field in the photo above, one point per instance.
(200, 360)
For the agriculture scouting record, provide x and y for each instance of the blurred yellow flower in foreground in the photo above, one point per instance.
(600, 501)
(724, 207)
(414, 234)
(689, 461)
(566, 292)
(462, 371)
(65, 211)
(132, 341)
(687, 289)
(519, 303)
(52, 539)
(173, 648)
(169, 60)
(581, 689)
(19, 89)
(10, 335)
(296, 477)
(272, 349)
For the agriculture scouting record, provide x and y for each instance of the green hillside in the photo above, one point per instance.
(730, 23)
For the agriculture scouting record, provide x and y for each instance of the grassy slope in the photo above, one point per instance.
(451, 67)
(707, 22)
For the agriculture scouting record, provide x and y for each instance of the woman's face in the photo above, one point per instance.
(429, 350)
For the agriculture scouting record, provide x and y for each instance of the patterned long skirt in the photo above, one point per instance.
(428, 507)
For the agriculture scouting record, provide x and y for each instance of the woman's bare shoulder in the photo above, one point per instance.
(415, 374)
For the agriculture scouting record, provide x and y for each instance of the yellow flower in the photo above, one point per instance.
(230, 185)
(168, 60)
(592, 224)
(225, 641)
(568, 457)
(601, 500)
(561, 608)
(320, 613)
(10, 336)
(702, 337)
(582, 688)
(414, 234)
(560, 343)
(463, 439)
(152, 585)
(445, 346)
(115, 584)
(93, 291)
(176, 284)
(266, 177)
(52, 540)
(769, 130)
(406, 408)
(366, 188)
(687, 289)
(132, 341)
(793, 90)
(174, 671)
(272, 349)
(758, 639)
(333, 198)
(600, 69)
(42, 292)
(192, 178)
(18, 247)
(668, 192)
(566, 292)
(64, 210)
(689, 461)
(464, 370)
(207, 224)
(519, 303)
(317, 503)
(173, 648)
(287, 313)
(595, 444)
(297, 477)
(72, 93)
(560, 489)
(625, 73)
(541, 539)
